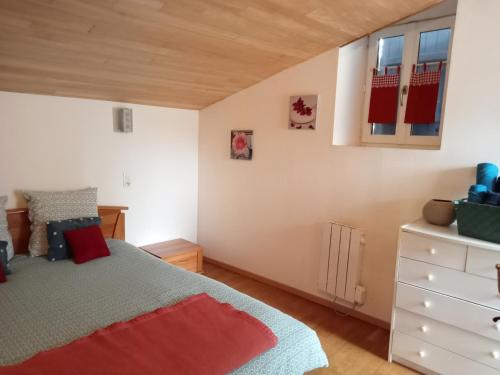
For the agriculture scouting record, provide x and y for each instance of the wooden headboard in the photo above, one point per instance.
(112, 225)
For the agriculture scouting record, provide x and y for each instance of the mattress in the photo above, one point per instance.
(48, 304)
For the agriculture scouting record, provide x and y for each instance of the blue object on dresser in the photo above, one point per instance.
(496, 186)
(486, 174)
(477, 193)
(492, 198)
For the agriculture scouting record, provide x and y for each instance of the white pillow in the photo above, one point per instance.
(46, 206)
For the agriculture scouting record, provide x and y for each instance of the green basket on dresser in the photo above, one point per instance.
(476, 220)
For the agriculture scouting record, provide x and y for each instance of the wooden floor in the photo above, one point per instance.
(352, 346)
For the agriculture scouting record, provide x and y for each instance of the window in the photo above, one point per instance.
(402, 47)
(390, 56)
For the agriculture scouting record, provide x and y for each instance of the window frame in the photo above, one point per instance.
(411, 33)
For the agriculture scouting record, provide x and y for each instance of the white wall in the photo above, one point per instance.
(265, 215)
(51, 143)
(349, 93)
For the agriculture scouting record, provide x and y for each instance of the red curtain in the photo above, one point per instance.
(384, 98)
(423, 96)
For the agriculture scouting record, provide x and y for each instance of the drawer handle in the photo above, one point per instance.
(430, 277)
(424, 329)
(497, 266)
(432, 251)
(427, 304)
(422, 354)
(495, 354)
(496, 320)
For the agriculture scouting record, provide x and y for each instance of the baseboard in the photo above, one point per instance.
(311, 297)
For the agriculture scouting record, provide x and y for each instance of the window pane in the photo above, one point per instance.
(390, 55)
(383, 129)
(433, 47)
(390, 51)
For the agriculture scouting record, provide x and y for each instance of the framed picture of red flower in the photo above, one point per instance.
(241, 144)
(303, 112)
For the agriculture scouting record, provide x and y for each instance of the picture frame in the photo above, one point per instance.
(241, 144)
(303, 112)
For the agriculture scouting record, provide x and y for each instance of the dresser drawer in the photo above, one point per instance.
(467, 344)
(188, 261)
(446, 254)
(436, 359)
(482, 262)
(455, 312)
(450, 282)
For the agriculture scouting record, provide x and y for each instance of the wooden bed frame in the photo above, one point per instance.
(112, 225)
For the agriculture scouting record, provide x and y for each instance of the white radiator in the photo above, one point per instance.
(340, 267)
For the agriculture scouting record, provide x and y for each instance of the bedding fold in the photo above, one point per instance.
(198, 335)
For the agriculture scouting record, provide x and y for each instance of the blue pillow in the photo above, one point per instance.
(58, 248)
(3, 257)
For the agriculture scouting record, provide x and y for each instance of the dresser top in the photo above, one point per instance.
(447, 233)
(169, 248)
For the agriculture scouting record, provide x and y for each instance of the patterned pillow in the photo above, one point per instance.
(58, 247)
(56, 205)
(4, 263)
(4, 228)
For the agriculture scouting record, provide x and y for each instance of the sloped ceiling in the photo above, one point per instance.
(175, 53)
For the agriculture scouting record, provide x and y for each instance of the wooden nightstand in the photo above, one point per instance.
(179, 252)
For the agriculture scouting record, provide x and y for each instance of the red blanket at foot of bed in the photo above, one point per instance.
(196, 336)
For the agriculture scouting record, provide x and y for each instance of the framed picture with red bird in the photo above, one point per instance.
(303, 111)
(241, 144)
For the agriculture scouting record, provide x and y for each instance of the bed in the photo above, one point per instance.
(48, 304)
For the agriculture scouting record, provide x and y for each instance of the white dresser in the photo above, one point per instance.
(445, 303)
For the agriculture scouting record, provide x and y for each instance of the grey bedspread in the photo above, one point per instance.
(48, 304)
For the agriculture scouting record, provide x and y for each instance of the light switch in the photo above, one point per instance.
(126, 181)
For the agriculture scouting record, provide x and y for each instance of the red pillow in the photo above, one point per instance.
(2, 275)
(86, 243)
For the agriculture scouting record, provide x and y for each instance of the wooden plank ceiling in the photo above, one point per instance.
(175, 53)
